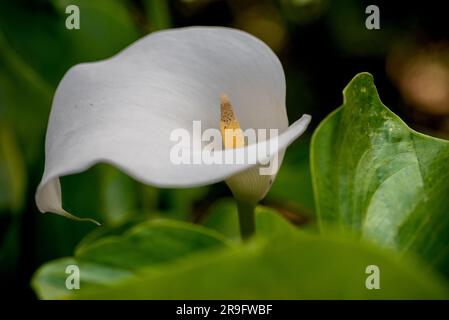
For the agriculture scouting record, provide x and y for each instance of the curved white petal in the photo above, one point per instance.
(123, 110)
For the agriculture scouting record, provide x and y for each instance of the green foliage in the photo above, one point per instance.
(173, 260)
(112, 258)
(373, 177)
(377, 177)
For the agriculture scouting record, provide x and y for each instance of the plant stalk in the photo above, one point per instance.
(247, 220)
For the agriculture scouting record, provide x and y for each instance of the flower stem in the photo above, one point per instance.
(247, 219)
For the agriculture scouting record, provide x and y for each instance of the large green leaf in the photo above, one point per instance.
(173, 260)
(377, 177)
(115, 257)
(149, 244)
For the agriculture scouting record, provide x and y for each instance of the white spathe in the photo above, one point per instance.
(122, 110)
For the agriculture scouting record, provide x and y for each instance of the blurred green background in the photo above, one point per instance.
(322, 45)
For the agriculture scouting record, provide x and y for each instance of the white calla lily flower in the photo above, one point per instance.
(123, 110)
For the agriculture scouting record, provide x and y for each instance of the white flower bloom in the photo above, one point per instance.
(122, 110)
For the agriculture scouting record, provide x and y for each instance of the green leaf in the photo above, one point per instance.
(112, 258)
(380, 179)
(50, 280)
(148, 244)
